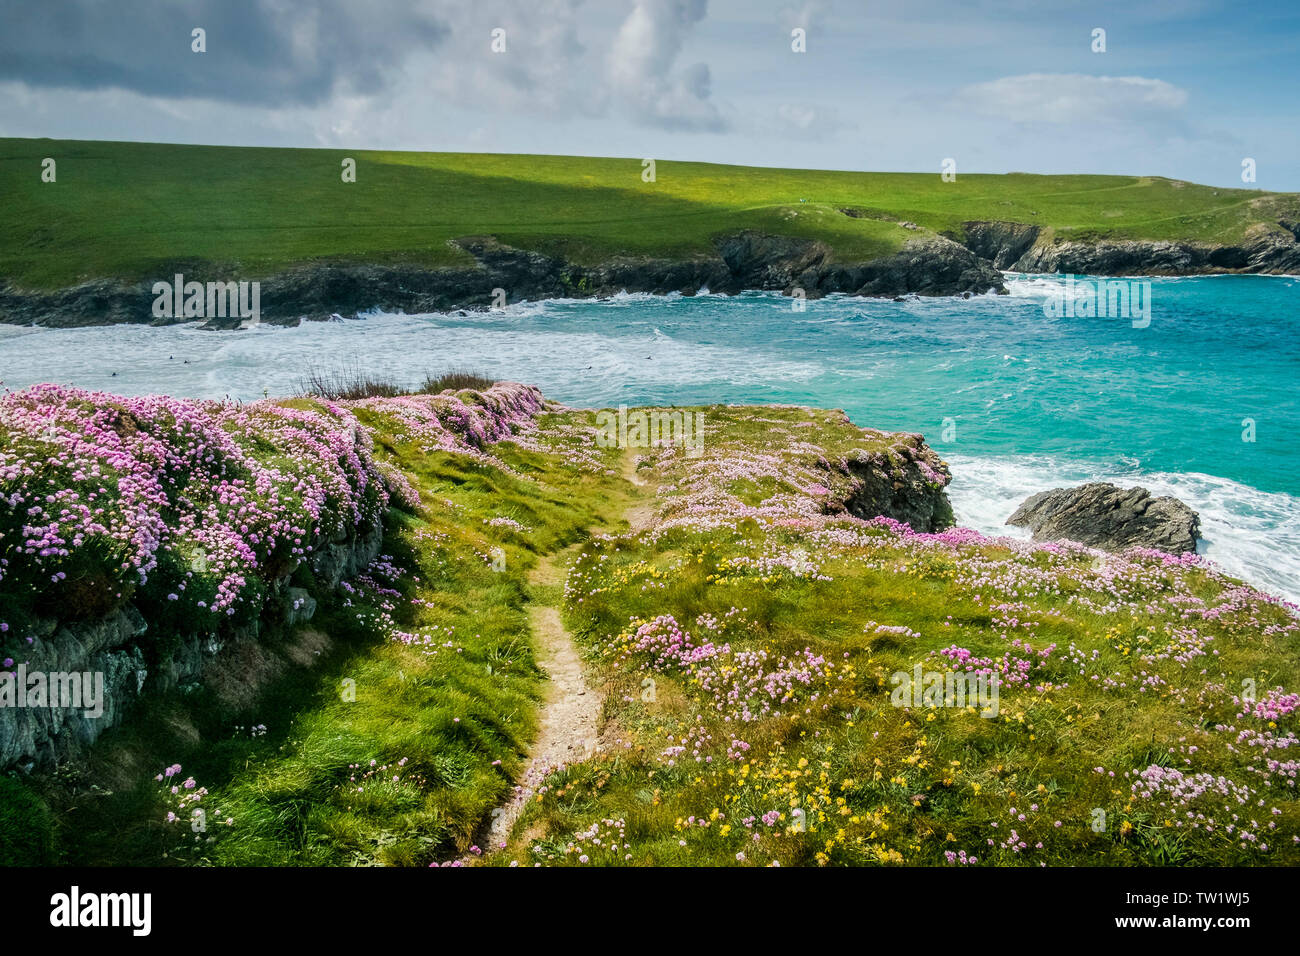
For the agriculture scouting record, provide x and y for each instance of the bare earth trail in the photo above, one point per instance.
(570, 714)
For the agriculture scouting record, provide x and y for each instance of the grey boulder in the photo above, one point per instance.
(1104, 516)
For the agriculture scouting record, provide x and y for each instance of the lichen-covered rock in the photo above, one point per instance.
(906, 484)
(110, 671)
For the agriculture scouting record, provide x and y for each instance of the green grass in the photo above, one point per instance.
(142, 210)
(26, 826)
(1136, 665)
(451, 717)
(879, 783)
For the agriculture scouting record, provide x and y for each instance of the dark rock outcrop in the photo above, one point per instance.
(925, 266)
(906, 484)
(1001, 243)
(1022, 248)
(929, 265)
(1104, 516)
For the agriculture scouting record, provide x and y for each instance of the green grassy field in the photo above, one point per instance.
(744, 641)
(135, 210)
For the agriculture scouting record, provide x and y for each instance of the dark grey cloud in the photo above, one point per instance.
(268, 52)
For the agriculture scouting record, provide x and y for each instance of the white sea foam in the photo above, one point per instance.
(574, 366)
(1251, 534)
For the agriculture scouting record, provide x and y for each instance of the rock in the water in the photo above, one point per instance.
(1103, 516)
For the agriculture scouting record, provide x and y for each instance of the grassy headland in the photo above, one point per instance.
(133, 211)
(742, 614)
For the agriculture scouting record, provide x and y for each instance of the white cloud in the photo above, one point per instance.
(1075, 98)
(642, 67)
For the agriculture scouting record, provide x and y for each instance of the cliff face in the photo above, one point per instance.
(1001, 243)
(1026, 248)
(930, 265)
(904, 483)
(925, 266)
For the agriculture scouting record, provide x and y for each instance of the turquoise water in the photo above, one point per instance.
(1017, 401)
(1168, 397)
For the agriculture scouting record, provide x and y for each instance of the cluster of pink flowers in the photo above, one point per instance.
(190, 506)
(1275, 705)
(186, 801)
(459, 421)
(1012, 669)
(744, 686)
(667, 645)
(124, 490)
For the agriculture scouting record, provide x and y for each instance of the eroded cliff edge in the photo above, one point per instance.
(965, 262)
(926, 265)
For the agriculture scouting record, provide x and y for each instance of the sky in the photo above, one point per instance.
(1186, 89)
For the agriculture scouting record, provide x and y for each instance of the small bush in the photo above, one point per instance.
(347, 384)
(456, 379)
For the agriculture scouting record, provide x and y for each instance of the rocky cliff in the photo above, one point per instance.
(1017, 247)
(965, 262)
(930, 265)
(904, 483)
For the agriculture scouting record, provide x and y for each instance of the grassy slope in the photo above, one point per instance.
(136, 210)
(1145, 663)
(449, 713)
(1133, 667)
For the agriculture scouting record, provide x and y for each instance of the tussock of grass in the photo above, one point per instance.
(347, 384)
(456, 379)
(351, 382)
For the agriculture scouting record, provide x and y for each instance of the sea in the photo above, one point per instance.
(1196, 397)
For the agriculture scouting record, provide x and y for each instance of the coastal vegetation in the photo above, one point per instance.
(352, 382)
(742, 612)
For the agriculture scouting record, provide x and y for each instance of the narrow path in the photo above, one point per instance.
(570, 714)
(640, 514)
(571, 711)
